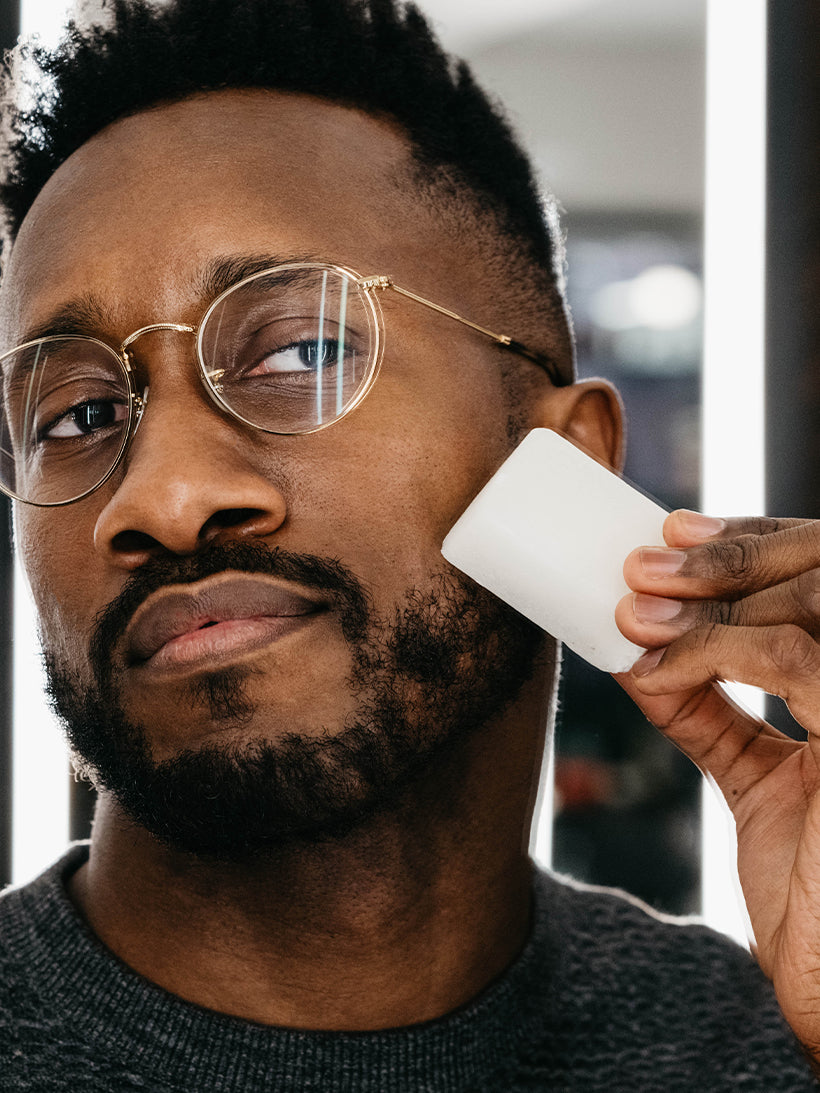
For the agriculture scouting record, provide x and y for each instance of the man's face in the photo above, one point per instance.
(336, 534)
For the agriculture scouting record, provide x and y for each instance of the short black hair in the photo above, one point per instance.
(377, 55)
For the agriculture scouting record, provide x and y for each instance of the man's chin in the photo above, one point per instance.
(452, 659)
(246, 788)
(209, 707)
(232, 803)
(239, 799)
(221, 713)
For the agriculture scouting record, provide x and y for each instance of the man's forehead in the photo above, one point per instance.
(253, 116)
(235, 171)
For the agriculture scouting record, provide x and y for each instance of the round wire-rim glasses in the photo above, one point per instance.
(211, 375)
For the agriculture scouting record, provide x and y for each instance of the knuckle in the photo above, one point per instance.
(793, 651)
(761, 525)
(806, 536)
(769, 525)
(737, 558)
(725, 613)
(806, 592)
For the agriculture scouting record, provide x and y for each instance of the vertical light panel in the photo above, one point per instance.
(540, 845)
(46, 18)
(733, 357)
(39, 765)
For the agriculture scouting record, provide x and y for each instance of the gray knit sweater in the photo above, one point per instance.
(604, 997)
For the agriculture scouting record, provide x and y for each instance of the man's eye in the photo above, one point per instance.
(301, 356)
(86, 418)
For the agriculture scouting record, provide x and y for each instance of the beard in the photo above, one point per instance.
(451, 659)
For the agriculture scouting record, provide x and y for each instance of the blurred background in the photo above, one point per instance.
(609, 97)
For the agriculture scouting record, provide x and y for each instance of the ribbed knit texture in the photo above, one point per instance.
(605, 996)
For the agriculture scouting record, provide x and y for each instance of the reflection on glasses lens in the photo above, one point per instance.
(63, 418)
(289, 350)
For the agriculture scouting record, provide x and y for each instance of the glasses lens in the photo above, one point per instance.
(63, 418)
(290, 350)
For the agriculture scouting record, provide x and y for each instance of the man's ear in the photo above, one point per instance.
(589, 413)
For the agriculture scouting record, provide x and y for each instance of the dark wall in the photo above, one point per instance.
(793, 271)
(9, 29)
(9, 22)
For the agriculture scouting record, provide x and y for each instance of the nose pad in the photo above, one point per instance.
(141, 403)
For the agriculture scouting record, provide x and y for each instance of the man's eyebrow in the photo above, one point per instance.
(89, 316)
(224, 271)
(84, 315)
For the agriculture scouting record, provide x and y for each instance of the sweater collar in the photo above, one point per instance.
(104, 1002)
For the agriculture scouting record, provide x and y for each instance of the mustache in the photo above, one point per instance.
(324, 575)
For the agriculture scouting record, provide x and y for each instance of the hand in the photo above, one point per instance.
(740, 600)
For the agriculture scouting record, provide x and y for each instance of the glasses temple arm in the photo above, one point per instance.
(540, 359)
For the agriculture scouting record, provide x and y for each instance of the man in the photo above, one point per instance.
(236, 448)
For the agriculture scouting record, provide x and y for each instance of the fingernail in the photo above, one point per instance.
(649, 661)
(652, 609)
(700, 526)
(659, 562)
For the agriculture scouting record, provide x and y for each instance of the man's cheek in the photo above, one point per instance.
(62, 606)
(66, 652)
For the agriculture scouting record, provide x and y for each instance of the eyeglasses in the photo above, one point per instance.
(289, 350)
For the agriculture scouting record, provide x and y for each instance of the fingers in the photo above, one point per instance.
(783, 660)
(731, 600)
(709, 558)
(767, 579)
(652, 620)
(686, 528)
(729, 743)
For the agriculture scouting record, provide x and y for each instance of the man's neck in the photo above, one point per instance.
(395, 924)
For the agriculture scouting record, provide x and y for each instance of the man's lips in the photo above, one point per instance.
(217, 617)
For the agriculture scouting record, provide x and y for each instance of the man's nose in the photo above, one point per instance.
(191, 476)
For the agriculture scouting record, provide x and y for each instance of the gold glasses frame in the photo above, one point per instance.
(369, 287)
